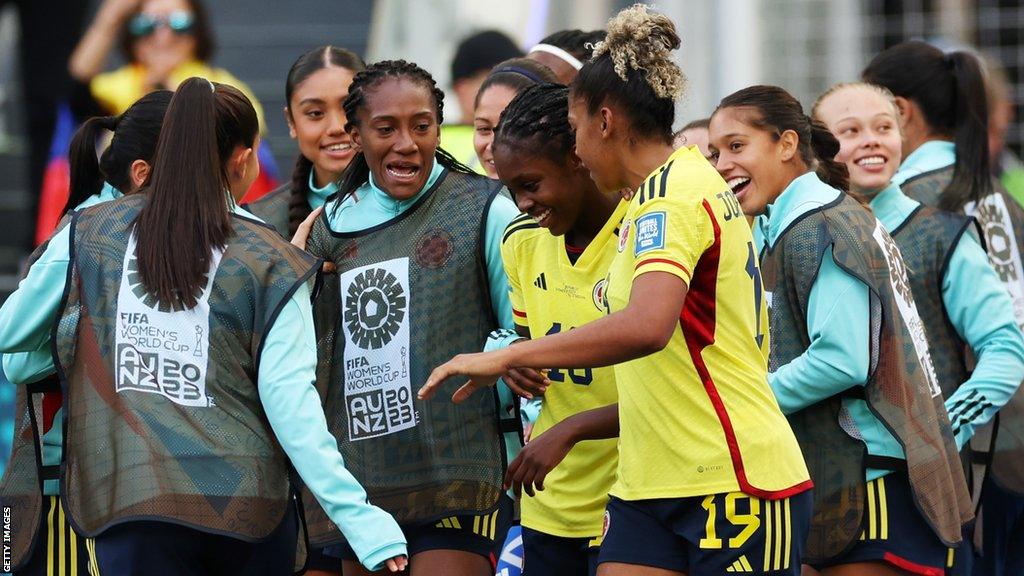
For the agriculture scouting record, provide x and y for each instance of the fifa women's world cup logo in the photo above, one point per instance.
(376, 303)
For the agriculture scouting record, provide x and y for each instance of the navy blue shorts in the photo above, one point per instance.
(481, 535)
(317, 560)
(716, 534)
(163, 549)
(960, 560)
(548, 555)
(895, 532)
(1002, 531)
(58, 550)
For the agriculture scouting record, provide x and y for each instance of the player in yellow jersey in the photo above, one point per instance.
(710, 477)
(556, 256)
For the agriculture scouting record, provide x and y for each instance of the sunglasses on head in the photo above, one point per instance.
(179, 21)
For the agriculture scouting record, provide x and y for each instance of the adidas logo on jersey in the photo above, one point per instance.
(740, 566)
(541, 282)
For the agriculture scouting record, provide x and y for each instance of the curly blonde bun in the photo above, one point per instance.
(641, 40)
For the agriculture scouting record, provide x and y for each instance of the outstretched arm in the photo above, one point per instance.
(644, 327)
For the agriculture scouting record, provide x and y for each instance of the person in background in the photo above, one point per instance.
(474, 58)
(315, 92)
(565, 51)
(163, 42)
(503, 83)
(694, 134)
(1006, 166)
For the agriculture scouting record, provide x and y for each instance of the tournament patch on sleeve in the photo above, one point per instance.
(650, 233)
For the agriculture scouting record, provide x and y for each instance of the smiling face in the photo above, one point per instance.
(492, 103)
(398, 133)
(550, 191)
(316, 120)
(753, 161)
(866, 124)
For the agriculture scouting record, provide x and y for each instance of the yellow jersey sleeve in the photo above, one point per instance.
(671, 235)
(511, 260)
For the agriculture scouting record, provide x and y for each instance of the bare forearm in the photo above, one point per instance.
(616, 338)
(91, 53)
(596, 424)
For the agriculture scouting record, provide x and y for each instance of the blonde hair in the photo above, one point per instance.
(880, 90)
(641, 40)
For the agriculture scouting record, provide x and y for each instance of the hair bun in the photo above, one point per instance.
(641, 40)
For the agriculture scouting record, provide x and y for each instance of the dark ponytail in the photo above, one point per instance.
(358, 171)
(312, 61)
(950, 91)
(825, 147)
(775, 111)
(187, 216)
(135, 136)
(86, 178)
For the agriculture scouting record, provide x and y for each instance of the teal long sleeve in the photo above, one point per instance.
(286, 385)
(981, 311)
(837, 358)
(28, 314)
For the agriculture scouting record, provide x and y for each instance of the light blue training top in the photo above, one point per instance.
(981, 312)
(286, 378)
(371, 206)
(317, 196)
(930, 156)
(837, 326)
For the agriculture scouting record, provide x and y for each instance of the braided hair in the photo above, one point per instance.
(358, 171)
(313, 61)
(539, 116)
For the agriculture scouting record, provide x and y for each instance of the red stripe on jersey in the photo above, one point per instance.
(518, 314)
(697, 321)
(660, 261)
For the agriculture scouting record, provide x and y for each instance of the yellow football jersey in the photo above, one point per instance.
(699, 417)
(549, 294)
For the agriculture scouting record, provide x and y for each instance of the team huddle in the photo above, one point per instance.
(774, 343)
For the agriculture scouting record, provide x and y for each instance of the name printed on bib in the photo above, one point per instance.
(161, 350)
(907, 307)
(1003, 250)
(375, 320)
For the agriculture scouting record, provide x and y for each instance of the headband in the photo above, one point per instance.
(521, 71)
(556, 51)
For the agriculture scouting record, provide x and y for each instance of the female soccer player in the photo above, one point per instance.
(315, 91)
(556, 256)
(38, 516)
(187, 356)
(410, 228)
(565, 51)
(965, 306)
(505, 81)
(848, 358)
(710, 477)
(943, 116)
